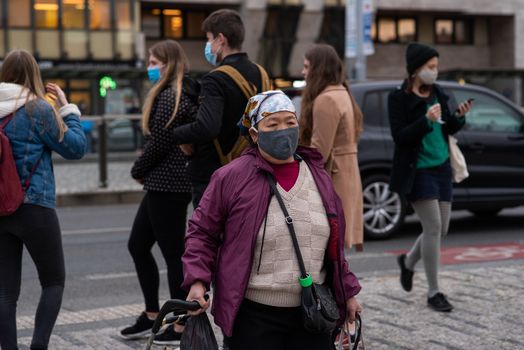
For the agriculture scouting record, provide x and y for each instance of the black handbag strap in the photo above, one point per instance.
(289, 222)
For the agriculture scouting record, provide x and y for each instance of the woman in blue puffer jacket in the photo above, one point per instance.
(35, 129)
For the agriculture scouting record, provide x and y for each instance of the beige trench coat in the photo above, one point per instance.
(334, 136)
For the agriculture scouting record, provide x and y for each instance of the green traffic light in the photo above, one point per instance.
(106, 83)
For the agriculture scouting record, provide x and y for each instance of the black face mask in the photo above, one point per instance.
(279, 144)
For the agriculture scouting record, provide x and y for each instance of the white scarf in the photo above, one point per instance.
(12, 97)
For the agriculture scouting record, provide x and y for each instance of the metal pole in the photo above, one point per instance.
(102, 154)
(360, 64)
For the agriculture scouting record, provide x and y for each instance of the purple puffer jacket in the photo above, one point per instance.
(222, 233)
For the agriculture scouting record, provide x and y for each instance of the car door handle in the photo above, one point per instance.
(516, 138)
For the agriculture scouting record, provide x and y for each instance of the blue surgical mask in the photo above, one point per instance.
(210, 56)
(279, 144)
(154, 74)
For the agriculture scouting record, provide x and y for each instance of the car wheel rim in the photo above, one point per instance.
(382, 208)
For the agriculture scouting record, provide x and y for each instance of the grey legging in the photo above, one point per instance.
(37, 228)
(434, 217)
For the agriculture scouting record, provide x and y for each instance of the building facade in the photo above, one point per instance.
(85, 45)
(471, 35)
(77, 43)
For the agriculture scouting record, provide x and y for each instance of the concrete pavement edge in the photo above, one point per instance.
(99, 198)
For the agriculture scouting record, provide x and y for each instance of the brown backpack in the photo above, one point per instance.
(248, 89)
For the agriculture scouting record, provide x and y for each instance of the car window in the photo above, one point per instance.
(372, 108)
(489, 114)
(384, 96)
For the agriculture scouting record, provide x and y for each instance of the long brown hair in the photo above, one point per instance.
(20, 67)
(325, 69)
(171, 54)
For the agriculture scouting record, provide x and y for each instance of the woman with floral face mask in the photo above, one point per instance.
(421, 120)
(238, 236)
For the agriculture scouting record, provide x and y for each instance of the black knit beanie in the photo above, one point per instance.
(417, 55)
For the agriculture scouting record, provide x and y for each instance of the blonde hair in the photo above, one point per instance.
(171, 54)
(20, 67)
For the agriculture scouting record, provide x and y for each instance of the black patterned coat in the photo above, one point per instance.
(162, 165)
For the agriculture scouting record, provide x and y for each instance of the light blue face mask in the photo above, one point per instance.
(154, 74)
(210, 56)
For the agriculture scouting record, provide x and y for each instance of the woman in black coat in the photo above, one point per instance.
(421, 121)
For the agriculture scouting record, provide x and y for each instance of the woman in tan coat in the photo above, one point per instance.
(332, 122)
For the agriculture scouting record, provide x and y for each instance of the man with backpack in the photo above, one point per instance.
(224, 93)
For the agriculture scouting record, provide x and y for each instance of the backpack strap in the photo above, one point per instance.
(248, 89)
(6, 120)
(266, 83)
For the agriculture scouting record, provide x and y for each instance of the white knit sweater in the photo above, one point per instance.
(276, 281)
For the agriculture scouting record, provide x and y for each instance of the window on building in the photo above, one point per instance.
(279, 37)
(387, 30)
(73, 14)
(390, 29)
(151, 23)
(407, 28)
(332, 31)
(173, 23)
(194, 24)
(46, 13)
(123, 14)
(454, 31)
(19, 13)
(99, 14)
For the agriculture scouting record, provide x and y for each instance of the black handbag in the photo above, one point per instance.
(319, 308)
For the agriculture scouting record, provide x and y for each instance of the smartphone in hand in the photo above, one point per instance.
(469, 100)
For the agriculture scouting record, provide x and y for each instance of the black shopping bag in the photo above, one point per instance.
(198, 334)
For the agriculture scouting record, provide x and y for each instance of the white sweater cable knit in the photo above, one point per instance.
(276, 282)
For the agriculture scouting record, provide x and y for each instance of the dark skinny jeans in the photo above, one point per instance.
(161, 218)
(37, 229)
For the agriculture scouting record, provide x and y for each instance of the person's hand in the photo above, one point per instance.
(56, 94)
(196, 293)
(187, 149)
(434, 112)
(352, 307)
(464, 108)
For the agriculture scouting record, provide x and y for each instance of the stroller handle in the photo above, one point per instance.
(176, 306)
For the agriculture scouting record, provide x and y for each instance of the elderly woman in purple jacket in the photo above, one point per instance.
(238, 239)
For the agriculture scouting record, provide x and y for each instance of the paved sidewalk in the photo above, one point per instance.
(77, 183)
(489, 314)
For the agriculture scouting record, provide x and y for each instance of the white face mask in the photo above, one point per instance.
(428, 76)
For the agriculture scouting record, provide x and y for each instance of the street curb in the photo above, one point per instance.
(99, 198)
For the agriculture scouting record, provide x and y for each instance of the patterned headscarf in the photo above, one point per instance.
(264, 104)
